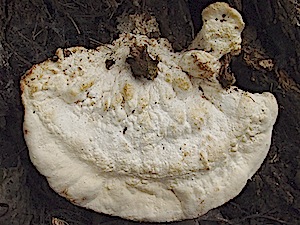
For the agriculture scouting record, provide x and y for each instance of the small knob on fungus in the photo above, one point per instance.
(199, 64)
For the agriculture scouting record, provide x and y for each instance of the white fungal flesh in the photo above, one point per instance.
(221, 31)
(158, 150)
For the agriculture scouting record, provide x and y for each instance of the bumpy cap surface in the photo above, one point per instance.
(221, 31)
(162, 148)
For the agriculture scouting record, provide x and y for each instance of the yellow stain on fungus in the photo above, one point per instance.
(128, 91)
(86, 86)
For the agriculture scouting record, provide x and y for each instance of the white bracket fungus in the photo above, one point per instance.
(221, 31)
(134, 130)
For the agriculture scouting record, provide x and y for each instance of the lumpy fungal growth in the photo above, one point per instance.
(134, 130)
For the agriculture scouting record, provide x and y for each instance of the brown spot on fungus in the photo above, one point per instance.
(109, 63)
(67, 53)
(225, 77)
(141, 64)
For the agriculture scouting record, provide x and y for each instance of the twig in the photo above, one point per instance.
(30, 41)
(80, 4)
(68, 5)
(257, 216)
(95, 41)
(222, 220)
(18, 56)
(116, 6)
(14, 155)
(74, 23)
(56, 221)
(34, 33)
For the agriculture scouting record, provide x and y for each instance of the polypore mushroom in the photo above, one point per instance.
(221, 31)
(134, 130)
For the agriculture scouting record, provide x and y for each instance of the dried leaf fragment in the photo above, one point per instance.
(142, 65)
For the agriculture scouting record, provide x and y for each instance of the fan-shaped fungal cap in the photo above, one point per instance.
(221, 31)
(135, 130)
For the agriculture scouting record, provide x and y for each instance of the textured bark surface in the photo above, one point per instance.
(31, 31)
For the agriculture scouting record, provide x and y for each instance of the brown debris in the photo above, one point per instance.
(226, 77)
(141, 64)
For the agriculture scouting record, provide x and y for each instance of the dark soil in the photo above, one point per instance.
(31, 31)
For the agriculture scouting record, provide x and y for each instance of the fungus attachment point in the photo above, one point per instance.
(165, 150)
(141, 64)
(226, 77)
(221, 30)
